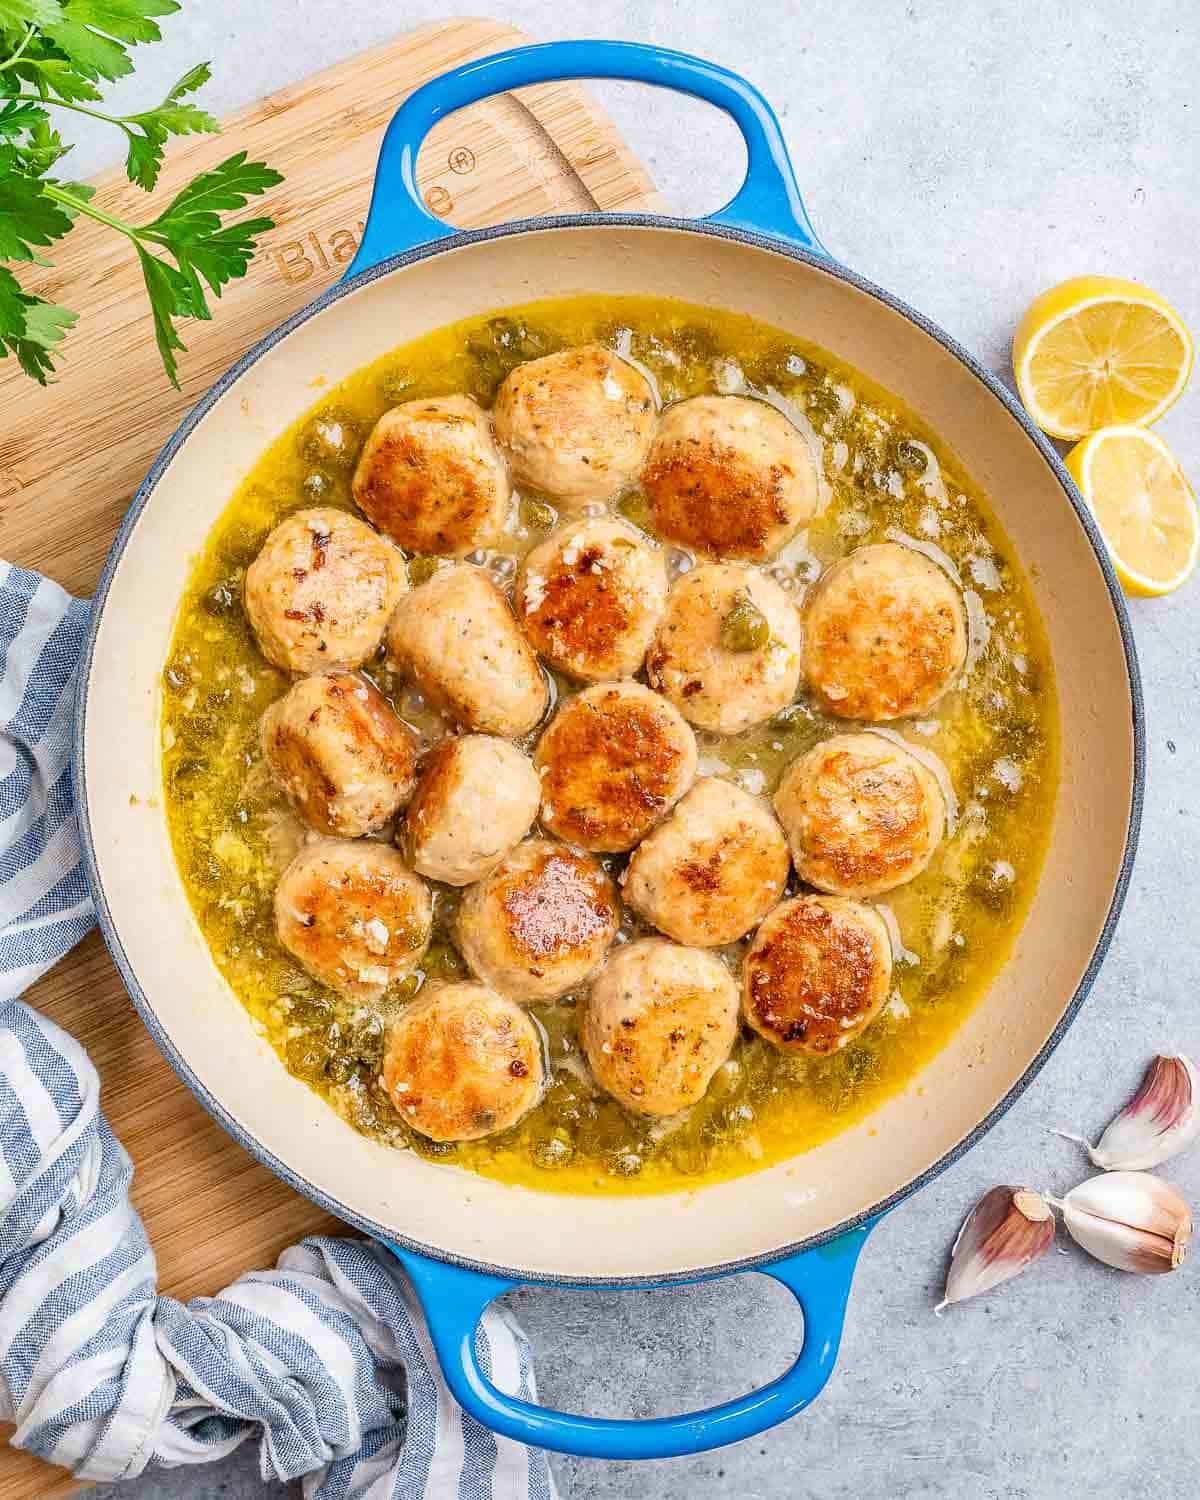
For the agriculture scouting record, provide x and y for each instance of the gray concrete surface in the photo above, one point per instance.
(964, 153)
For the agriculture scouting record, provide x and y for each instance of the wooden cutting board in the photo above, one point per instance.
(72, 456)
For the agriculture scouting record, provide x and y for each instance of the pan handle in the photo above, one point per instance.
(768, 200)
(454, 1298)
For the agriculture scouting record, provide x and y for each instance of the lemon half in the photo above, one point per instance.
(1096, 352)
(1142, 504)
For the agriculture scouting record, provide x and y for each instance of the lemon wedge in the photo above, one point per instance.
(1142, 504)
(1096, 352)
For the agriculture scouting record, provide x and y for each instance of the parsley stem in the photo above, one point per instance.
(83, 206)
(17, 55)
(79, 109)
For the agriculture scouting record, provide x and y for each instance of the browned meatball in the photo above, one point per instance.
(354, 915)
(344, 759)
(321, 591)
(432, 478)
(576, 424)
(456, 638)
(614, 761)
(817, 973)
(659, 1022)
(462, 1063)
(713, 870)
(730, 477)
(885, 634)
(589, 598)
(862, 814)
(476, 800)
(540, 924)
(727, 649)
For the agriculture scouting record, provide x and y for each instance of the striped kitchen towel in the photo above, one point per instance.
(325, 1361)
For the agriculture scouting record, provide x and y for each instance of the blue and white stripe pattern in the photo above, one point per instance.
(326, 1360)
(44, 903)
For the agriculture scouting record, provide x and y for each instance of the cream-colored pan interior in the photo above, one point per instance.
(605, 1237)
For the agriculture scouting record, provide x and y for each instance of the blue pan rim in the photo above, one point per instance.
(599, 224)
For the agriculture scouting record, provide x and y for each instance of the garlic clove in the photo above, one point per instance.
(1160, 1120)
(1005, 1232)
(1131, 1220)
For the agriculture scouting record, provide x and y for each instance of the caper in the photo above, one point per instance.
(636, 509)
(184, 775)
(223, 598)
(421, 570)
(553, 1153)
(745, 627)
(625, 1163)
(307, 1059)
(317, 486)
(311, 1010)
(331, 438)
(538, 515)
(241, 545)
(780, 366)
(423, 1146)
(910, 456)
(366, 1041)
(397, 385)
(340, 1067)
(441, 961)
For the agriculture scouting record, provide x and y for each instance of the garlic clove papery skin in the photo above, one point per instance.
(1003, 1234)
(1161, 1119)
(1131, 1220)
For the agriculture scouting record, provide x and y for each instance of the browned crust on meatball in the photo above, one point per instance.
(876, 651)
(463, 1063)
(707, 498)
(817, 974)
(612, 763)
(563, 901)
(584, 612)
(888, 795)
(328, 895)
(426, 498)
(719, 882)
(383, 748)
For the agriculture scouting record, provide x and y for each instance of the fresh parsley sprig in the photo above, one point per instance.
(53, 55)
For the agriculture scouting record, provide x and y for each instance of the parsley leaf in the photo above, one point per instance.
(17, 14)
(30, 328)
(149, 130)
(52, 55)
(93, 34)
(28, 217)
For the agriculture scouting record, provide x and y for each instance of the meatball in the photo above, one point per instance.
(432, 478)
(322, 590)
(614, 761)
(540, 923)
(343, 758)
(589, 598)
(727, 650)
(817, 973)
(354, 915)
(713, 870)
(659, 1022)
(456, 638)
(576, 424)
(862, 815)
(730, 477)
(462, 1063)
(476, 799)
(885, 634)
